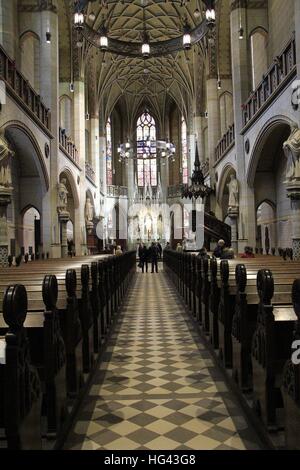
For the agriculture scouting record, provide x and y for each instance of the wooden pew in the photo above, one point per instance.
(271, 345)
(291, 384)
(214, 301)
(20, 387)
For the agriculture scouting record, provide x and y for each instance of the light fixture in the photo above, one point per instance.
(87, 117)
(48, 37)
(92, 16)
(72, 87)
(210, 15)
(241, 33)
(197, 13)
(78, 20)
(103, 39)
(219, 84)
(197, 188)
(186, 39)
(145, 47)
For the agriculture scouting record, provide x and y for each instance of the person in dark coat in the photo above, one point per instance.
(159, 249)
(143, 256)
(154, 254)
(218, 251)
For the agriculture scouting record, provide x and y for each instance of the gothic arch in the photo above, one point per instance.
(70, 177)
(17, 131)
(264, 134)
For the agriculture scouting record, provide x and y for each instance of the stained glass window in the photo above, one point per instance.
(184, 151)
(109, 169)
(146, 150)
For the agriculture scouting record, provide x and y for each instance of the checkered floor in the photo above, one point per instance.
(157, 386)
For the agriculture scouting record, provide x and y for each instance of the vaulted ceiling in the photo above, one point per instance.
(178, 76)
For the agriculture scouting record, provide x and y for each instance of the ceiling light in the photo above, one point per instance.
(92, 16)
(78, 19)
(103, 39)
(146, 49)
(241, 33)
(186, 40)
(48, 37)
(219, 85)
(197, 13)
(72, 87)
(210, 15)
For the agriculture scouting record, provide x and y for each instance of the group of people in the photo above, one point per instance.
(222, 252)
(149, 254)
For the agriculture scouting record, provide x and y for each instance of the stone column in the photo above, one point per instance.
(240, 86)
(79, 137)
(63, 219)
(5, 200)
(213, 111)
(233, 213)
(47, 20)
(297, 34)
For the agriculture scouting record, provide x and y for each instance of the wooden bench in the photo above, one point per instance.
(291, 384)
(20, 387)
(271, 345)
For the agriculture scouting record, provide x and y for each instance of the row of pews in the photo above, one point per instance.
(55, 319)
(249, 311)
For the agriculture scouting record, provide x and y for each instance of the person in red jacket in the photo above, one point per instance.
(248, 252)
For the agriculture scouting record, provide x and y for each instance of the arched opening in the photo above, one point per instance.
(226, 111)
(259, 55)
(65, 113)
(267, 175)
(70, 237)
(30, 184)
(266, 236)
(30, 57)
(31, 231)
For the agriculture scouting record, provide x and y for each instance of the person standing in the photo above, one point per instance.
(159, 249)
(154, 257)
(218, 251)
(143, 256)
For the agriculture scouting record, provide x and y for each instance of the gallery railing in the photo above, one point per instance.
(21, 90)
(117, 191)
(90, 172)
(225, 144)
(67, 146)
(277, 76)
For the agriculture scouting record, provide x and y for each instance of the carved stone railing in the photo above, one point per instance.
(21, 90)
(225, 144)
(175, 190)
(117, 191)
(67, 146)
(278, 75)
(90, 172)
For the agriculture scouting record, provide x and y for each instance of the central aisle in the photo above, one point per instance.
(157, 386)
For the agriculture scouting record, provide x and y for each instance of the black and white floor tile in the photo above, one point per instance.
(157, 386)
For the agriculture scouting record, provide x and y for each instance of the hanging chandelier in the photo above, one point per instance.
(197, 188)
(145, 48)
(164, 150)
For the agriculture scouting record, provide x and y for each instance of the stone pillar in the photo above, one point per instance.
(79, 137)
(213, 112)
(63, 219)
(5, 200)
(297, 34)
(95, 157)
(240, 86)
(9, 26)
(47, 20)
(233, 213)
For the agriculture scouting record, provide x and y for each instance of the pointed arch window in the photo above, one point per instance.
(146, 150)
(184, 151)
(109, 169)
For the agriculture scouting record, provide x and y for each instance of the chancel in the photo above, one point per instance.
(149, 225)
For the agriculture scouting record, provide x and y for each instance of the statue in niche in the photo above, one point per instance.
(89, 211)
(62, 196)
(5, 170)
(291, 148)
(233, 188)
